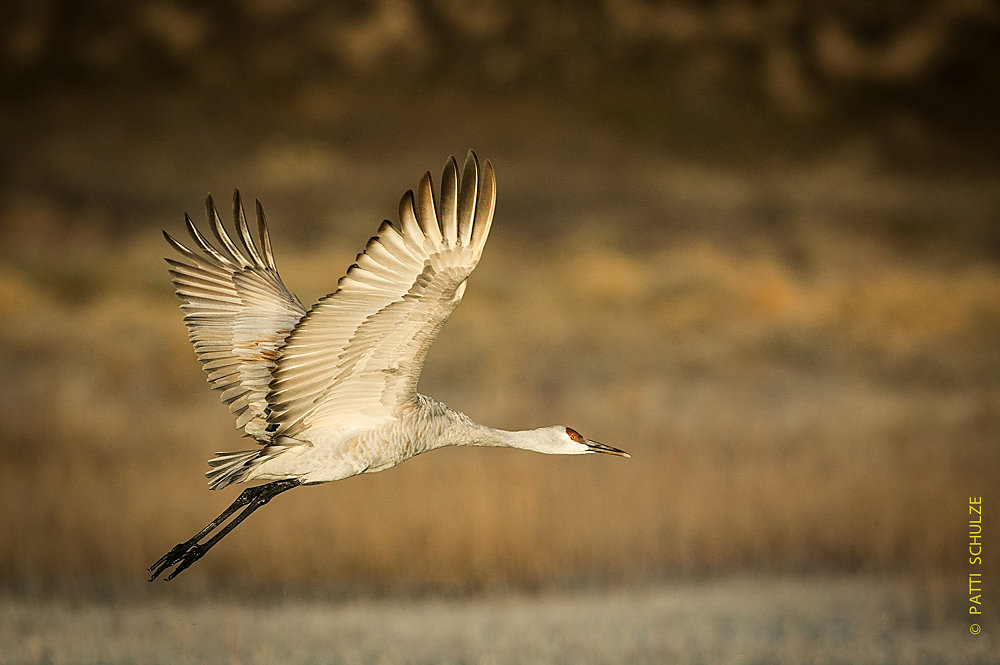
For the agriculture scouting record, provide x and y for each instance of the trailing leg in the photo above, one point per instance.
(186, 553)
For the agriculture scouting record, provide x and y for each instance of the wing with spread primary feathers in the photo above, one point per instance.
(237, 312)
(356, 356)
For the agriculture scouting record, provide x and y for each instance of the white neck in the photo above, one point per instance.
(463, 431)
(481, 435)
(444, 426)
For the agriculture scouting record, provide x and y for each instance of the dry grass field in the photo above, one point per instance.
(825, 407)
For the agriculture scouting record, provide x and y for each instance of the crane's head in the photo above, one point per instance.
(562, 440)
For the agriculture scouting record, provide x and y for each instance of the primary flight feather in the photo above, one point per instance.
(330, 392)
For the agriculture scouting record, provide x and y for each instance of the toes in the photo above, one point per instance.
(189, 557)
(178, 554)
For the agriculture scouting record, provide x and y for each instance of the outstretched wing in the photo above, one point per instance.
(237, 312)
(357, 354)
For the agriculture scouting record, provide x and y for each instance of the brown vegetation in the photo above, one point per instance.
(832, 419)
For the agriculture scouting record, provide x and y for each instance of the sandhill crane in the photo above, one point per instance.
(330, 392)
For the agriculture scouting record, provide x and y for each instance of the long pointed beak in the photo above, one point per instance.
(597, 447)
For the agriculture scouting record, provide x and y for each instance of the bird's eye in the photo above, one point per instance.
(576, 436)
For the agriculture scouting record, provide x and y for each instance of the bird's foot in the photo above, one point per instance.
(182, 555)
(186, 553)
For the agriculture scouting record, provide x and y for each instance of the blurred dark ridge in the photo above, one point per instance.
(935, 60)
(117, 111)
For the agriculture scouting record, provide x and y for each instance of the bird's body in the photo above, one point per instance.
(330, 392)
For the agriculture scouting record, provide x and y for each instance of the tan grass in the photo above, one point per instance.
(778, 420)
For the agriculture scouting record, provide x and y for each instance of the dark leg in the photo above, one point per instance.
(186, 553)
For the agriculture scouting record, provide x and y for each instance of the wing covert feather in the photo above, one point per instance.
(237, 312)
(356, 356)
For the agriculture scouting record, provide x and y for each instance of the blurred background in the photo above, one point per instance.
(755, 244)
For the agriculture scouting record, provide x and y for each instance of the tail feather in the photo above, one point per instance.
(232, 467)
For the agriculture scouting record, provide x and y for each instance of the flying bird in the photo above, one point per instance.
(331, 392)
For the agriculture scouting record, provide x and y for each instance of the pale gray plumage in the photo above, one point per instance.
(331, 392)
(237, 311)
